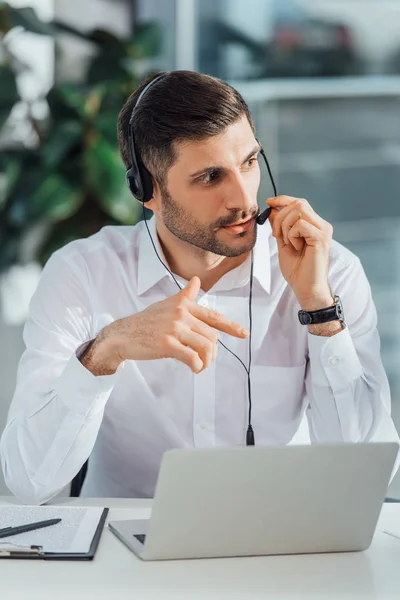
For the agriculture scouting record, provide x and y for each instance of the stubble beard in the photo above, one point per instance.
(182, 226)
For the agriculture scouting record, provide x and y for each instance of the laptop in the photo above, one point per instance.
(263, 500)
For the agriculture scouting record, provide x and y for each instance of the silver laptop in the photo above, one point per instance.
(263, 500)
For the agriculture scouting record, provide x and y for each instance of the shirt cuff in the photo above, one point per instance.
(79, 389)
(333, 360)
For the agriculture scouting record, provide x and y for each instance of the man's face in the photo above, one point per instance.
(213, 185)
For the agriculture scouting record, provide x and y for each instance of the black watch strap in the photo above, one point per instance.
(323, 315)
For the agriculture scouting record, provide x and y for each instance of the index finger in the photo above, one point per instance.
(218, 321)
(281, 201)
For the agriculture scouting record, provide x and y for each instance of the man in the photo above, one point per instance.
(120, 365)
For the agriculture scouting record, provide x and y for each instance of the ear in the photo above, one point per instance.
(154, 203)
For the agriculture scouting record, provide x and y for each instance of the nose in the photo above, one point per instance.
(238, 194)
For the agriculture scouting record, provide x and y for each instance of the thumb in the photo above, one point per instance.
(192, 289)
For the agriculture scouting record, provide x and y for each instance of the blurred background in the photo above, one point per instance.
(321, 77)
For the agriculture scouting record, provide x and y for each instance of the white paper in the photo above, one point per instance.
(393, 531)
(73, 534)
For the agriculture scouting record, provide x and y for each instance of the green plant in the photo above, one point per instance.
(72, 179)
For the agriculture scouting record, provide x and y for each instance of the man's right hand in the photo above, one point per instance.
(173, 328)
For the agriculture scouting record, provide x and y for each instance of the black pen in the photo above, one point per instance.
(7, 531)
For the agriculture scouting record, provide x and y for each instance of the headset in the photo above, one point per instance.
(140, 183)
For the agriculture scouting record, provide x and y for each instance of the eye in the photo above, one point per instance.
(210, 177)
(251, 162)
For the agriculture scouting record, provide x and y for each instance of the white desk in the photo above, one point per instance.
(116, 573)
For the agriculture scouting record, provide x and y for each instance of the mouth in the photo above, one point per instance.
(240, 227)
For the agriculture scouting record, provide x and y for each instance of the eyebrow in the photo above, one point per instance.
(219, 168)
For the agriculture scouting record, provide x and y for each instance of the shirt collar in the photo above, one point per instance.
(151, 271)
(262, 257)
(240, 276)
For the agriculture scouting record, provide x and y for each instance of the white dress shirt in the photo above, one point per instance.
(304, 387)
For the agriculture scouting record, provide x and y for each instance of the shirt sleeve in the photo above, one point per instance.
(347, 389)
(58, 405)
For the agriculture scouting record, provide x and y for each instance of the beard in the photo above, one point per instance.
(184, 227)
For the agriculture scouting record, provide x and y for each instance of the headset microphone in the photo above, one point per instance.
(140, 183)
(262, 217)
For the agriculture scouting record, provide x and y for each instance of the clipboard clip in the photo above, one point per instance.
(21, 551)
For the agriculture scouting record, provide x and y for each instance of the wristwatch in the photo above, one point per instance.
(323, 315)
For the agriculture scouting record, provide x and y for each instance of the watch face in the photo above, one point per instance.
(339, 309)
(306, 319)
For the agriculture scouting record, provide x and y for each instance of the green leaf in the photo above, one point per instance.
(64, 138)
(146, 41)
(4, 114)
(28, 19)
(116, 95)
(55, 199)
(8, 85)
(8, 93)
(9, 174)
(106, 124)
(10, 247)
(109, 43)
(104, 68)
(17, 204)
(105, 172)
(66, 101)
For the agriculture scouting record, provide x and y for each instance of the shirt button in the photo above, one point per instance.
(333, 360)
(204, 302)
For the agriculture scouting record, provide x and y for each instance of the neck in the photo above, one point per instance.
(187, 260)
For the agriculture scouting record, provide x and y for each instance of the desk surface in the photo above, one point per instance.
(117, 574)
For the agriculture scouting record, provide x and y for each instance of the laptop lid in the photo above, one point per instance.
(268, 500)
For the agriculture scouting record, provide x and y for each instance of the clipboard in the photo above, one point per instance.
(36, 552)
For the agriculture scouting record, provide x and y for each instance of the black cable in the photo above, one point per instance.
(155, 250)
(269, 169)
(250, 433)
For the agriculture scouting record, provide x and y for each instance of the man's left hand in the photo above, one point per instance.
(304, 241)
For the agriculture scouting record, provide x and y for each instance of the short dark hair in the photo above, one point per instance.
(182, 106)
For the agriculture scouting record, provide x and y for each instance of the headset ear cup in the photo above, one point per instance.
(132, 182)
(147, 184)
(140, 185)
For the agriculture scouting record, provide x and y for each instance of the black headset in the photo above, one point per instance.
(138, 178)
(140, 183)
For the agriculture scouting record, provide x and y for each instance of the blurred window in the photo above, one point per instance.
(258, 39)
